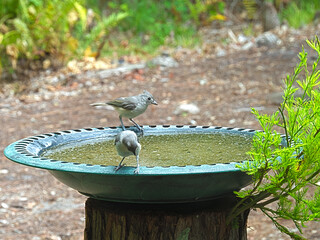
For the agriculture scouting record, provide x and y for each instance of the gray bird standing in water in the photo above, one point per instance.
(131, 107)
(127, 144)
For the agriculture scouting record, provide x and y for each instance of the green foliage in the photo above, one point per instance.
(155, 23)
(152, 21)
(289, 173)
(300, 13)
(40, 29)
(102, 28)
(250, 7)
(203, 11)
(35, 29)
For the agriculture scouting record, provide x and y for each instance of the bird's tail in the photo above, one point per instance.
(98, 104)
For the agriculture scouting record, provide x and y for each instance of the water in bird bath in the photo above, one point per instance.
(159, 150)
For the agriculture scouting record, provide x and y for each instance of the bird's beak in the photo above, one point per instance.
(154, 102)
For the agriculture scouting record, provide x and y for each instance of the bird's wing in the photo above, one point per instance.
(123, 103)
(117, 139)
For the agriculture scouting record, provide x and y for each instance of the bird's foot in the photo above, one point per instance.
(141, 132)
(119, 166)
(136, 171)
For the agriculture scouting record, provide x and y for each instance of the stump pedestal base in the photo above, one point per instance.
(200, 221)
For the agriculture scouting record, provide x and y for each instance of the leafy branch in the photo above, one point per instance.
(285, 168)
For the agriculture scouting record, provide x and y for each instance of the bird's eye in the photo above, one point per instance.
(149, 98)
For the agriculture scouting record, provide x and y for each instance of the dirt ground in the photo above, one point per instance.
(34, 205)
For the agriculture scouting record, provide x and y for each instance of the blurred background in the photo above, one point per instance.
(46, 34)
(206, 62)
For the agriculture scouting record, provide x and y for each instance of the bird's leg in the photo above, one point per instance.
(140, 129)
(120, 166)
(123, 128)
(138, 165)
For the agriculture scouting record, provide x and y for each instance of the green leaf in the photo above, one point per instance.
(184, 235)
(82, 14)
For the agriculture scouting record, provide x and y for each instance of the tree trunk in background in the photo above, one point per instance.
(117, 221)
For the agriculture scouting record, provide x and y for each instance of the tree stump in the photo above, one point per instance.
(206, 220)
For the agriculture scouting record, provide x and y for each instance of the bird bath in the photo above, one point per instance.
(154, 184)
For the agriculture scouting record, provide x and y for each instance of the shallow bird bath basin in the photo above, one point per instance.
(154, 184)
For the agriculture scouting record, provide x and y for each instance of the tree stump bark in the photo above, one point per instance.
(185, 221)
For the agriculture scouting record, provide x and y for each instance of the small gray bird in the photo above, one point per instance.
(127, 144)
(130, 107)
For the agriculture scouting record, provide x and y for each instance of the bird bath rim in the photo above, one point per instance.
(28, 151)
(173, 184)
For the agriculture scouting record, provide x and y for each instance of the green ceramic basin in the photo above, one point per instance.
(157, 184)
